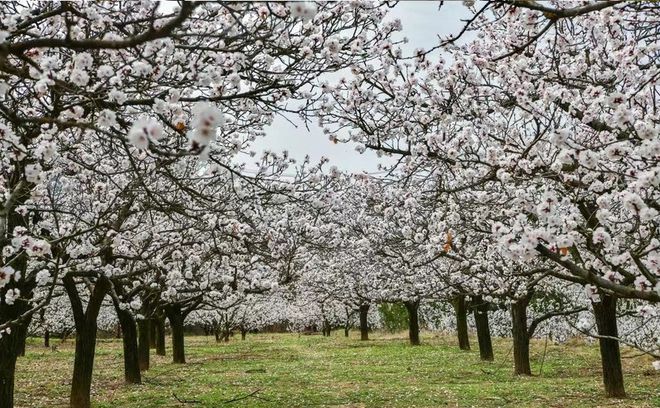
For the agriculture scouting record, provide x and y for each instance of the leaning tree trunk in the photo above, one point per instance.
(605, 314)
(85, 322)
(460, 307)
(176, 318)
(132, 373)
(364, 323)
(160, 336)
(9, 348)
(413, 322)
(144, 342)
(520, 337)
(483, 329)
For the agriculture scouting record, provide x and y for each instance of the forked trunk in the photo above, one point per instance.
(85, 321)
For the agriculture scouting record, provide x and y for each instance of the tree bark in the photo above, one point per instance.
(413, 322)
(9, 345)
(483, 329)
(85, 322)
(520, 337)
(346, 331)
(144, 343)
(160, 336)
(47, 338)
(132, 373)
(460, 308)
(364, 323)
(176, 318)
(243, 333)
(152, 333)
(22, 336)
(9, 348)
(605, 314)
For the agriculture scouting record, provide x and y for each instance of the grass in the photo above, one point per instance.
(289, 370)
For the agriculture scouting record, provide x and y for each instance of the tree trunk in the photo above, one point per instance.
(346, 330)
(160, 336)
(520, 337)
(144, 334)
(85, 322)
(413, 322)
(461, 322)
(9, 349)
(483, 329)
(22, 336)
(47, 338)
(243, 333)
(83, 366)
(152, 333)
(605, 314)
(132, 373)
(175, 316)
(364, 323)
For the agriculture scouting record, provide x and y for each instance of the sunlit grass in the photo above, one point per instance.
(290, 370)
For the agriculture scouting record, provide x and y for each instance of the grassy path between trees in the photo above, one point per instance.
(288, 370)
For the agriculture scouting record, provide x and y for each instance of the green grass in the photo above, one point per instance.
(289, 370)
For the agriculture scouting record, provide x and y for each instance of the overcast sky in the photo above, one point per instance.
(422, 23)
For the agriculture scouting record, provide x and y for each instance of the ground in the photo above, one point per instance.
(291, 370)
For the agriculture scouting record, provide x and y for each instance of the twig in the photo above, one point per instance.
(185, 401)
(246, 396)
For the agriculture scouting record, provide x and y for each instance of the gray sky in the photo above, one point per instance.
(422, 23)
